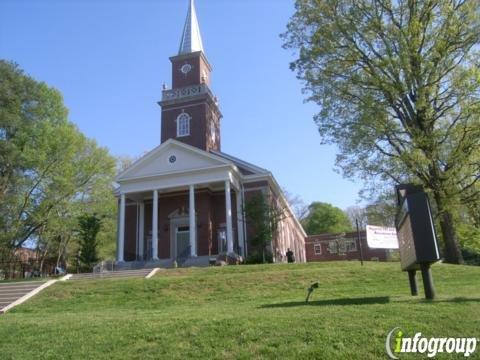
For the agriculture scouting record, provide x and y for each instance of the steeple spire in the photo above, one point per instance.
(191, 38)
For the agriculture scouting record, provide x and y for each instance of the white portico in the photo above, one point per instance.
(178, 168)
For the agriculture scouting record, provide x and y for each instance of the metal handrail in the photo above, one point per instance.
(104, 266)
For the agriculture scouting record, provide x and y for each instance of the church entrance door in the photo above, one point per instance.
(182, 240)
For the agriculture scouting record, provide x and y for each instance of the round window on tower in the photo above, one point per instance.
(172, 159)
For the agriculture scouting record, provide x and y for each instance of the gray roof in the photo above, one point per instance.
(191, 38)
(245, 167)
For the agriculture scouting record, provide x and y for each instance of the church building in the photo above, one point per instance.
(185, 200)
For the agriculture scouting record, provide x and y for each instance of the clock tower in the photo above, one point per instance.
(190, 111)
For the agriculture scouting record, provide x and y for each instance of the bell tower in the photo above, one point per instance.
(190, 111)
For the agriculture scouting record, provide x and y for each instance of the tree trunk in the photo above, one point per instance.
(452, 252)
(42, 261)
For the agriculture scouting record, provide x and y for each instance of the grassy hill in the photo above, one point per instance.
(242, 312)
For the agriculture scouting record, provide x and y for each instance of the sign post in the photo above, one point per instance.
(359, 242)
(416, 236)
(412, 278)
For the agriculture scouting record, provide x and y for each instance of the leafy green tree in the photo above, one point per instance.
(357, 214)
(398, 83)
(263, 217)
(48, 169)
(89, 227)
(325, 218)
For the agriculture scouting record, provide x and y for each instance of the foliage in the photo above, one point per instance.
(399, 88)
(49, 171)
(263, 215)
(357, 214)
(298, 206)
(325, 218)
(259, 257)
(471, 257)
(470, 237)
(227, 312)
(89, 227)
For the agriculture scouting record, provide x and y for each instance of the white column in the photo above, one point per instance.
(228, 209)
(193, 223)
(121, 229)
(141, 230)
(155, 226)
(240, 221)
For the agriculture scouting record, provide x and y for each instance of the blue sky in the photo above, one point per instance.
(109, 58)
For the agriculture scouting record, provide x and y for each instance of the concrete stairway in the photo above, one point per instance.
(150, 264)
(137, 273)
(12, 291)
(199, 261)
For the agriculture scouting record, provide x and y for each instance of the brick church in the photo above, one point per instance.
(185, 200)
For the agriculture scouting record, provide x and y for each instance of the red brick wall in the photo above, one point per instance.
(130, 245)
(166, 205)
(203, 208)
(219, 217)
(203, 111)
(323, 240)
(194, 77)
(204, 115)
(210, 208)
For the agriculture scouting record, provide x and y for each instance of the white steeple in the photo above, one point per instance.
(191, 38)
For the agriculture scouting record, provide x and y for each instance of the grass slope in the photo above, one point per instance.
(241, 312)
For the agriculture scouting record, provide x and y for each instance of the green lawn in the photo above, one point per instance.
(242, 312)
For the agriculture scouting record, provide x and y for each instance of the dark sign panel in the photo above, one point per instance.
(416, 234)
(406, 244)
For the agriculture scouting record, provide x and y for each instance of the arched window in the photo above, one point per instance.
(183, 125)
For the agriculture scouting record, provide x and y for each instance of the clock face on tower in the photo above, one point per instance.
(186, 68)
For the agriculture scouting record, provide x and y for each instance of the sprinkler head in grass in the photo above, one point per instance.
(310, 290)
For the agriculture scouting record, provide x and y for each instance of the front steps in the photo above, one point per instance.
(11, 292)
(199, 261)
(139, 269)
(15, 293)
(136, 265)
(117, 274)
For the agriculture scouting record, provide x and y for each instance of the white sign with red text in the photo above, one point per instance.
(379, 237)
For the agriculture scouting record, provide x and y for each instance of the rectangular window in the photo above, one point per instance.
(332, 247)
(318, 249)
(183, 229)
(352, 246)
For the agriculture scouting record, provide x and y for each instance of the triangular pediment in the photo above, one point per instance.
(171, 157)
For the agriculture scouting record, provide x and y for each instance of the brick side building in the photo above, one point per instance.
(185, 199)
(345, 246)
